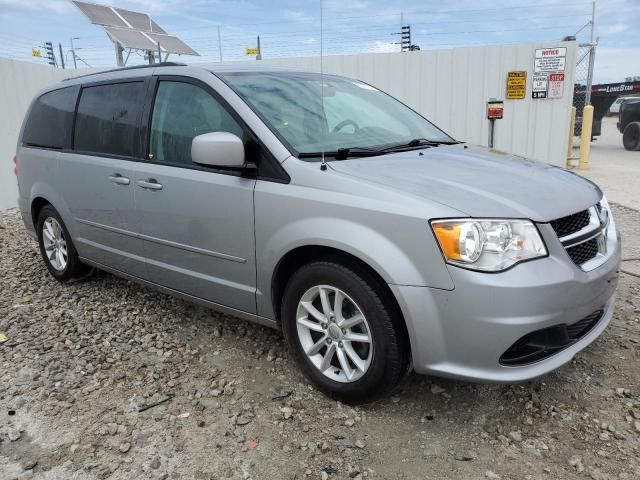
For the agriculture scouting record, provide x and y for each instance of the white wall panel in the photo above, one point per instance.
(451, 88)
(19, 82)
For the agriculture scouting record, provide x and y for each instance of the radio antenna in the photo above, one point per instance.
(323, 164)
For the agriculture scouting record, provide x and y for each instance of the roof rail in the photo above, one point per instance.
(134, 67)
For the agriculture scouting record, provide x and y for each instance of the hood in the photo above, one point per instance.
(478, 182)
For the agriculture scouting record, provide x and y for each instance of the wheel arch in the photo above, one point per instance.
(297, 257)
(37, 204)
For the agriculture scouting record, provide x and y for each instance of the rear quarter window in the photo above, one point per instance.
(51, 119)
(107, 119)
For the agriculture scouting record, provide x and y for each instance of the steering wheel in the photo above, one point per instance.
(345, 123)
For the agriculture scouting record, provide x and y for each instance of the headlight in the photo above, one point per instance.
(488, 245)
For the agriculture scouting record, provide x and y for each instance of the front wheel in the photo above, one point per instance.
(344, 331)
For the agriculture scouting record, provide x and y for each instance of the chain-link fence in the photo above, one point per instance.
(583, 81)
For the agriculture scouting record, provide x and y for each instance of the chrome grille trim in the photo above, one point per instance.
(600, 228)
(593, 229)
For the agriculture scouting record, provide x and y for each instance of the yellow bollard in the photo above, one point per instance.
(572, 126)
(585, 136)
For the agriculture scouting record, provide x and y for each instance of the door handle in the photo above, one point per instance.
(118, 179)
(150, 184)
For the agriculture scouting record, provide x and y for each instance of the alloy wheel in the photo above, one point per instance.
(334, 333)
(55, 245)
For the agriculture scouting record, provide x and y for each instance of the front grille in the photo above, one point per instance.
(541, 344)
(571, 223)
(583, 252)
(584, 235)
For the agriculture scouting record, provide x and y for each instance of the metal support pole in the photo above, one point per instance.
(61, 55)
(219, 43)
(73, 53)
(119, 60)
(259, 56)
(585, 136)
(592, 54)
(492, 123)
(159, 53)
(572, 126)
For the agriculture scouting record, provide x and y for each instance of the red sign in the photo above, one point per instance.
(495, 109)
(556, 85)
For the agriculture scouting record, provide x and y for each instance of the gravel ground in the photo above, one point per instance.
(82, 360)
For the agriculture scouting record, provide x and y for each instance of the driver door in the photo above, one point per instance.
(196, 223)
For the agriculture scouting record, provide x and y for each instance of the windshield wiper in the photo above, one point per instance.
(416, 143)
(344, 153)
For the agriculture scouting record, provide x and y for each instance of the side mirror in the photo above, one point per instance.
(218, 149)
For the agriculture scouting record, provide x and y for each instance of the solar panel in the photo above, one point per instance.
(171, 44)
(100, 14)
(129, 38)
(139, 21)
(134, 30)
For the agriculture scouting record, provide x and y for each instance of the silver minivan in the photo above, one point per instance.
(321, 206)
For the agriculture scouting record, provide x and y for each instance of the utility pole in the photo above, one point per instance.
(401, 27)
(259, 56)
(51, 57)
(405, 38)
(73, 52)
(219, 43)
(61, 55)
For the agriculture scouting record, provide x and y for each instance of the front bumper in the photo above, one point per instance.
(462, 333)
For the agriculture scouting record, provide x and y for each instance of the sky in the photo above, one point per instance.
(292, 28)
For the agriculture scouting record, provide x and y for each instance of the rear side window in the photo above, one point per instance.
(51, 119)
(107, 119)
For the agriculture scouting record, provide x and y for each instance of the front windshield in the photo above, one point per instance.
(353, 114)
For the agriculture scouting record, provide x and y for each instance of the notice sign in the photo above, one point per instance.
(540, 86)
(550, 60)
(252, 51)
(516, 85)
(556, 85)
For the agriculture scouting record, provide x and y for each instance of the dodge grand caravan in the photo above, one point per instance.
(326, 208)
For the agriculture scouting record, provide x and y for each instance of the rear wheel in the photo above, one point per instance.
(631, 136)
(56, 247)
(344, 332)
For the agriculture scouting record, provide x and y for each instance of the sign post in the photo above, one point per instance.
(495, 111)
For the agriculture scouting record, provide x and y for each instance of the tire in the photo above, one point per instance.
(631, 136)
(50, 221)
(383, 362)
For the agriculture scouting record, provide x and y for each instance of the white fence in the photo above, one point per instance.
(19, 82)
(450, 87)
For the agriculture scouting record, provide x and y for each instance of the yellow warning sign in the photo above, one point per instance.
(36, 52)
(516, 85)
(252, 51)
